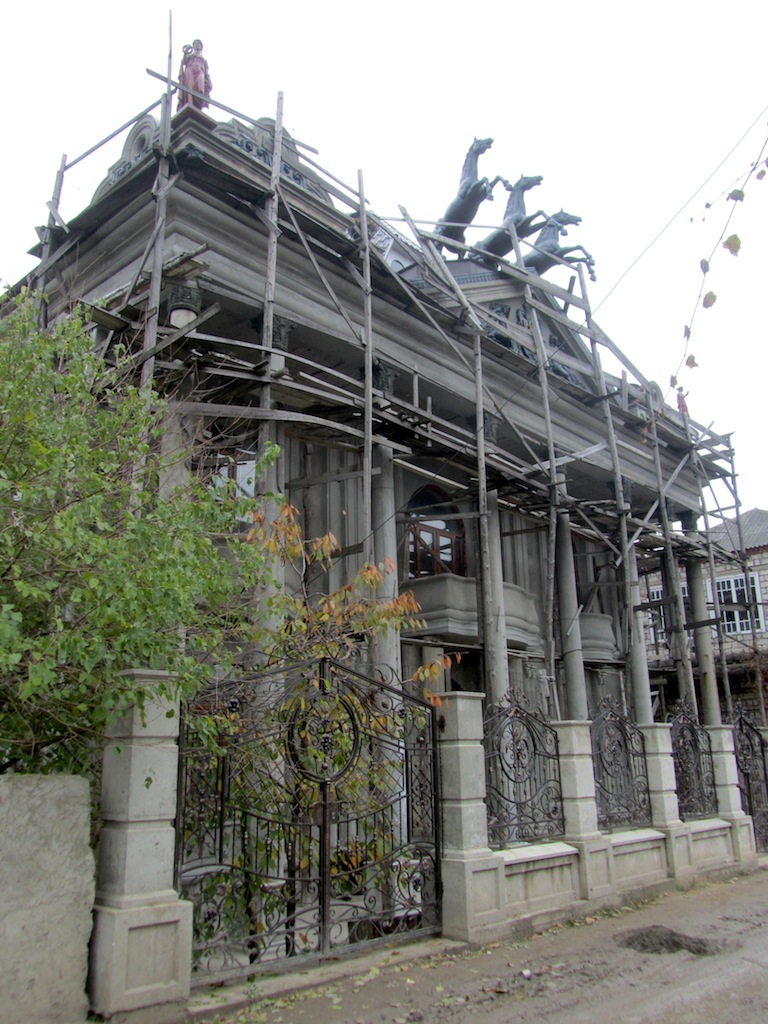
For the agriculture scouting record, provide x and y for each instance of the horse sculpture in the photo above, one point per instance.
(547, 249)
(472, 191)
(499, 242)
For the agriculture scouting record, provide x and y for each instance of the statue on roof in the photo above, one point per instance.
(472, 191)
(547, 251)
(499, 242)
(193, 74)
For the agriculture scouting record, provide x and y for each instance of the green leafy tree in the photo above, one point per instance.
(101, 570)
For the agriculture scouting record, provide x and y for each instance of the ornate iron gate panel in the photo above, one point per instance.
(753, 778)
(621, 776)
(522, 771)
(694, 770)
(311, 826)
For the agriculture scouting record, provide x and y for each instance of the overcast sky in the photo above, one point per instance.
(637, 116)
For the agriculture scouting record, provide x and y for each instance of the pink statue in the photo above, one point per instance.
(193, 73)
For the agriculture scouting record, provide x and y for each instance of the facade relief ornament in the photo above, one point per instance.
(138, 147)
(256, 141)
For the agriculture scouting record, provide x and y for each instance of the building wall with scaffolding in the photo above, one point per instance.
(738, 628)
(451, 415)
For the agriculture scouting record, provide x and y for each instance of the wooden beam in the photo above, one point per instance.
(171, 339)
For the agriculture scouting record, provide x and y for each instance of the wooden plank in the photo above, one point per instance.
(171, 339)
(215, 410)
(329, 478)
(318, 268)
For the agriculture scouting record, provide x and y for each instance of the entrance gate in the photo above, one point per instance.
(753, 776)
(309, 825)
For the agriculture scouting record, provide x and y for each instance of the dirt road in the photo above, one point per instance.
(698, 956)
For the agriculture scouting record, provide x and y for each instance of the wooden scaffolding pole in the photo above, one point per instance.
(152, 316)
(365, 254)
(271, 214)
(493, 685)
(638, 687)
(700, 474)
(53, 219)
(675, 629)
(554, 498)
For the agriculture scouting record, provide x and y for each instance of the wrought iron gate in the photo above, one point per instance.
(309, 825)
(753, 778)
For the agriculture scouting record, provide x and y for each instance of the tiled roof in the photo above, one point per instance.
(754, 530)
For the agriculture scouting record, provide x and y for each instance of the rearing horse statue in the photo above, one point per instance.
(472, 191)
(499, 242)
(547, 245)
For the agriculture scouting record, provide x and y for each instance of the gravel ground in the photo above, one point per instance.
(696, 956)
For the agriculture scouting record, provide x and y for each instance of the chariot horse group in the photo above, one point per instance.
(546, 251)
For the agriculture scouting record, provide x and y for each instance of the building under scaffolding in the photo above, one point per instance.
(452, 415)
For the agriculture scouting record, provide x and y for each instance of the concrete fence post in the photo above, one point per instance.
(577, 780)
(662, 783)
(141, 950)
(665, 807)
(474, 898)
(729, 794)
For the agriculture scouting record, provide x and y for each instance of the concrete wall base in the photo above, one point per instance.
(474, 902)
(140, 957)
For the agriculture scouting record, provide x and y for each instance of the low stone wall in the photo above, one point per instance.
(492, 894)
(47, 882)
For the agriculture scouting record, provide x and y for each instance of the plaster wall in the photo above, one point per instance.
(47, 882)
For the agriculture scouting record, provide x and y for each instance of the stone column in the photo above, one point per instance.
(385, 647)
(499, 623)
(474, 899)
(662, 790)
(641, 682)
(570, 627)
(702, 636)
(702, 632)
(577, 779)
(728, 792)
(141, 950)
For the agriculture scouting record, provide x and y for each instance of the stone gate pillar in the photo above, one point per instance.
(141, 950)
(474, 897)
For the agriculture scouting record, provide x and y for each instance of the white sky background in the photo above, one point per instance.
(625, 109)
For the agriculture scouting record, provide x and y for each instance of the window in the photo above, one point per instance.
(732, 597)
(734, 609)
(435, 544)
(659, 614)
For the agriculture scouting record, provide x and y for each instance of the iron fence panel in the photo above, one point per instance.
(522, 768)
(694, 770)
(621, 775)
(753, 776)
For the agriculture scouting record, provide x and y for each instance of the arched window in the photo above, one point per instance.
(434, 537)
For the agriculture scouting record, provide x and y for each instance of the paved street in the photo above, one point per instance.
(697, 956)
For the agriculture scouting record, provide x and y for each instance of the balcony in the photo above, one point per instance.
(449, 606)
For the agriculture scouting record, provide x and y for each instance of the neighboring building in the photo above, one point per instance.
(740, 638)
